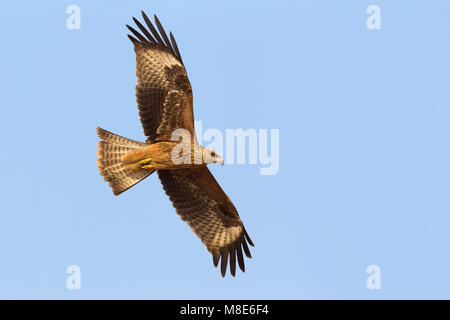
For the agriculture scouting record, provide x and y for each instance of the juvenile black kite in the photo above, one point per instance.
(164, 98)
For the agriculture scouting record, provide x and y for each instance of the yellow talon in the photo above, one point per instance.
(145, 164)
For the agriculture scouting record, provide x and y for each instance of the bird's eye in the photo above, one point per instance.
(213, 154)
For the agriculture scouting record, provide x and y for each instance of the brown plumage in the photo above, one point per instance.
(164, 97)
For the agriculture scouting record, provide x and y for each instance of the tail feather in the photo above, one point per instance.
(115, 139)
(110, 152)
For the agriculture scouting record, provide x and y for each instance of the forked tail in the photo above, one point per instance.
(110, 152)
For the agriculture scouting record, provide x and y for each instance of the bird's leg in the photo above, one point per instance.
(146, 163)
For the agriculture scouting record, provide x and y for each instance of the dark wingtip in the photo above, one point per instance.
(240, 258)
(136, 34)
(144, 15)
(246, 249)
(250, 242)
(164, 35)
(233, 261)
(175, 47)
(133, 39)
(233, 253)
(216, 258)
(155, 35)
(224, 262)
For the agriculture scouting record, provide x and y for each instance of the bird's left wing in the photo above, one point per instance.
(163, 90)
(201, 202)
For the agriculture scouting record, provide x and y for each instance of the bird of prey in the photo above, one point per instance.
(164, 98)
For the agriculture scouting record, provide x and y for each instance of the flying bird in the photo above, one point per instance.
(165, 104)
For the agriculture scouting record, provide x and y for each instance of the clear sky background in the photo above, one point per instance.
(364, 178)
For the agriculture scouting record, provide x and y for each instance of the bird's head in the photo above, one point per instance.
(210, 156)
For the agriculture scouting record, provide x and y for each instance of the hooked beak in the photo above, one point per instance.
(220, 161)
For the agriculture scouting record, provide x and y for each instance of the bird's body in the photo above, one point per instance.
(158, 156)
(164, 97)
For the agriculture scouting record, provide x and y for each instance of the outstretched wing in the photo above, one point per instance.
(201, 202)
(163, 90)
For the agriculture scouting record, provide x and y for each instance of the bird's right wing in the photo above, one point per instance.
(163, 90)
(201, 202)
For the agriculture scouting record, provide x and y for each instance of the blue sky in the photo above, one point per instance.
(364, 177)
